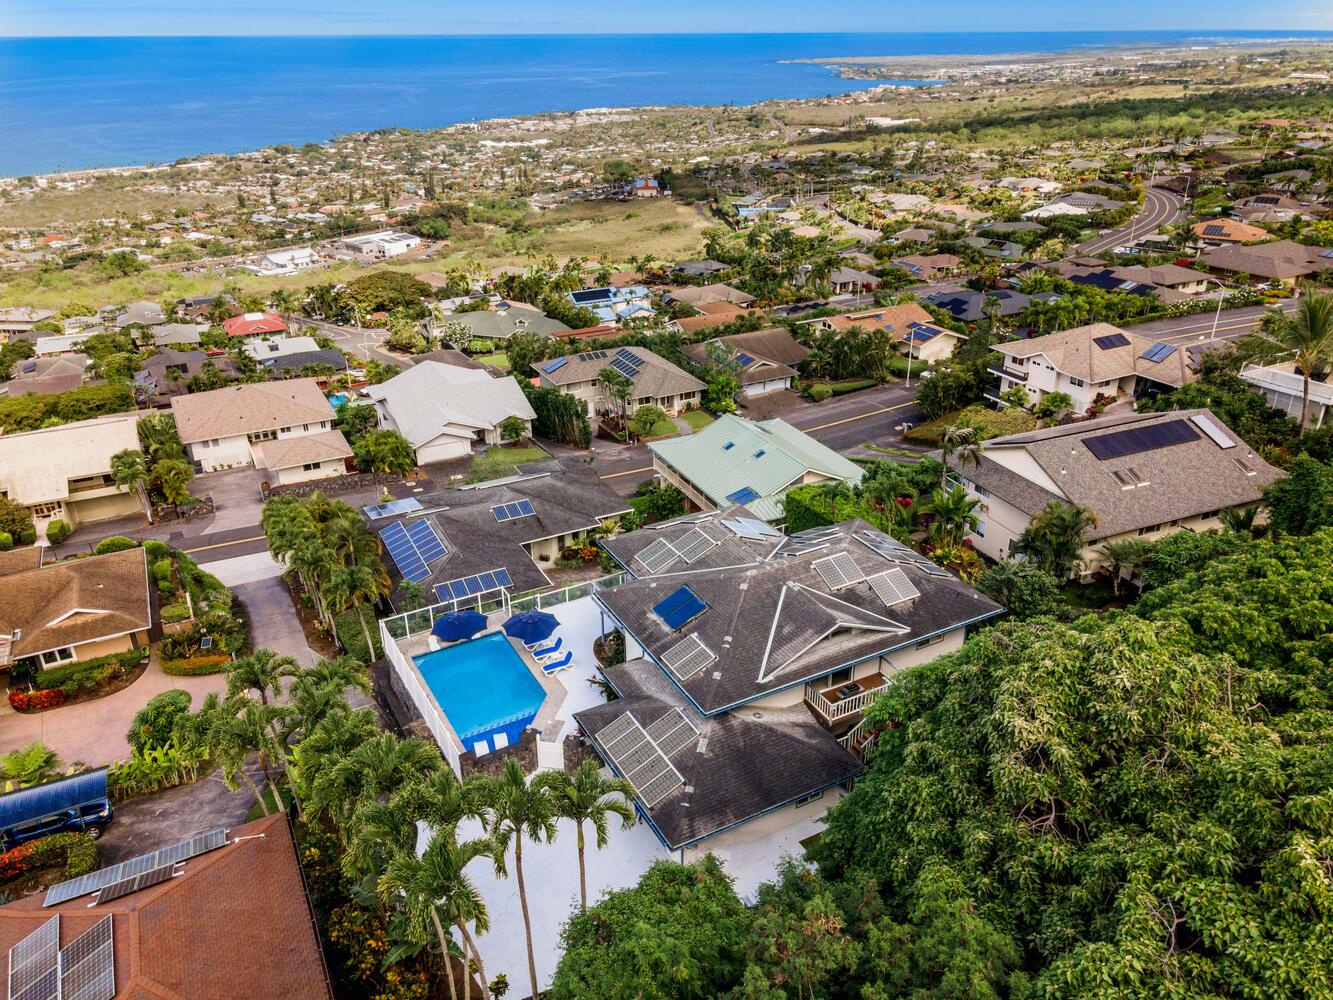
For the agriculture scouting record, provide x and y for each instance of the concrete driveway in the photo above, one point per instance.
(236, 498)
(256, 581)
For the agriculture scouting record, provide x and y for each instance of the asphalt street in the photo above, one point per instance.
(1160, 208)
(1231, 323)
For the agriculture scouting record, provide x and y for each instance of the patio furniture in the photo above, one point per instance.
(458, 625)
(433, 643)
(501, 739)
(564, 663)
(847, 690)
(531, 627)
(549, 651)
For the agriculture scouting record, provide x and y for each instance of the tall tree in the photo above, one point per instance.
(1308, 335)
(587, 797)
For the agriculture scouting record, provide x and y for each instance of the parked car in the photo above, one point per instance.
(77, 802)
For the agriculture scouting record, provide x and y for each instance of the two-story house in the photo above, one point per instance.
(1087, 362)
(284, 427)
(657, 382)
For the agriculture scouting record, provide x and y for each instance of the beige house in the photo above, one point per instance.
(656, 381)
(908, 325)
(1087, 362)
(74, 610)
(257, 424)
(64, 472)
(1144, 475)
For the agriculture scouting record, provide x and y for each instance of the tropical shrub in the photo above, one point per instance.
(177, 611)
(153, 724)
(35, 701)
(57, 531)
(153, 769)
(821, 391)
(85, 675)
(196, 666)
(75, 854)
(115, 543)
(6, 541)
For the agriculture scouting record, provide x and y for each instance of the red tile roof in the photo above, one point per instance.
(251, 324)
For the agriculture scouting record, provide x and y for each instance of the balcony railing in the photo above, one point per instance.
(835, 709)
(1012, 374)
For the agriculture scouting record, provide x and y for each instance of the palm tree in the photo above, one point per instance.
(587, 797)
(518, 811)
(955, 514)
(368, 773)
(354, 587)
(1308, 335)
(1054, 538)
(173, 477)
(1127, 554)
(437, 880)
(1239, 518)
(262, 672)
(834, 491)
(963, 443)
(232, 732)
(130, 473)
(329, 740)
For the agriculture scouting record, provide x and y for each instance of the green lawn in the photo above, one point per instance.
(697, 419)
(497, 360)
(497, 462)
(665, 427)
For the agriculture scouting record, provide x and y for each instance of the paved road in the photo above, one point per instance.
(1159, 208)
(1232, 323)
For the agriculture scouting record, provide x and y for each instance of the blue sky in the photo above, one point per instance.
(220, 17)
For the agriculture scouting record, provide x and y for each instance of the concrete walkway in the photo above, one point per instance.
(256, 581)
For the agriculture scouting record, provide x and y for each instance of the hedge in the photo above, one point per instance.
(115, 543)
(88, 674)
(32, 701)
(75, 853)
(177, 612)
(197, 666)
(989, 423)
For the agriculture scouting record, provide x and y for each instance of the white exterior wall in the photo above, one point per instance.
(298, 474)
(735, 840)
(1001, 524)
(235, 451)
(767, 386)
(1043, 378)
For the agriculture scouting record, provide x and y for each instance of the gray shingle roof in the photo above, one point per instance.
(657, 377)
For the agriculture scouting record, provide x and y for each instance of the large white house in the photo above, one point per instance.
(443, 409)
(285, 427)
(382, 245)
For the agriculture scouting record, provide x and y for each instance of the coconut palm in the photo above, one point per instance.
(1126, 555)
(437, 881)
(518, 811)
(960, 442)
(130, 473)
(587, 797)
(1054, 538)
(261, 672)
(954, 514)
(1308, 335)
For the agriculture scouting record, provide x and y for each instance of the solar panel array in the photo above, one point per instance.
(391, 507)
(1111, 340)
(34, 963)
(471, 586)
(743, 495)
(657, 556)
(94, 881)
(1214, 230)
(1216, 434)
(694, 544)
(922, 332)
(893, 587)
(88, 964)
(1158, 352)
(689, 656)
(895, 551)
(134, 883)
(1140, 439)
(556, 365)
(627, 363)
(592, 355)
(639, 760)
(838, 571)
(509, 511)
(750, 528)
(412, 547)
(672, 732)
(681, 606)
(744, 359)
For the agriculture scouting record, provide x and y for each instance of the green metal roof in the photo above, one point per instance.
(732, 453)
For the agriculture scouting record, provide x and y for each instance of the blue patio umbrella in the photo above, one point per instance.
(458, 625)
(531, 626)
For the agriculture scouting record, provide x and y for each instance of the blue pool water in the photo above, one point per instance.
(337, 399)
(483, 687)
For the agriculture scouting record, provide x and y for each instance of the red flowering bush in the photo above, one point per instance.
(15, 862)
(32, 701)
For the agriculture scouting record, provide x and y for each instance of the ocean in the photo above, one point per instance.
(76, 103)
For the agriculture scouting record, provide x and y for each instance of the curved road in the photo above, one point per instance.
(1159, 209)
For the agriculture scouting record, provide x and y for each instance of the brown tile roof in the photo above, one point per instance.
(897, 318)
(711, 314)
(1282, 259)
(75, 601)
(775, 344)
(1075, 352)
(702, 295)
(1229, 230)
(235, 923)
(250, 408)
(20, 559)
(657, 376)
(284, 453)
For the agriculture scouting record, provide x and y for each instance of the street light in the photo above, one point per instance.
(908, 385)
(1222, 297)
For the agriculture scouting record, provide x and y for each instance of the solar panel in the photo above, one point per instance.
(428, 544)
(893, 587)
(671, 732)
(1216, 434)
(134, 883)
(510, 511)
(694, 544)
(1214, 230)
(750, 528)
(689, 656)
(838, 571)
(681, 606)
(895, 551)
(1158, 352)
(639, 760)
(411, 547)
(592, 355)
(94, 881)
(555, 365)
(44, 987)
(471, 586)
(657, 789)
(391, 507)
(1111, 340)
(1140, 439)
(744, 359)
(88, 964)
(33, 960)
(743, 495)
(658, 556)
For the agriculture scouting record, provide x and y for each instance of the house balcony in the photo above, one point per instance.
(1012, 374)
(837, 704)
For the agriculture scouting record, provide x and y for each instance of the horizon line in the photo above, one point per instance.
(1192, 32)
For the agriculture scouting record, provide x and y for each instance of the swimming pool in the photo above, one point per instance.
(337, 399)
(483, 687)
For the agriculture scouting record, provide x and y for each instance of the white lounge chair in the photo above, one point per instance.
(433, 642)
(564, 663)
(500, 739)
(556, 650)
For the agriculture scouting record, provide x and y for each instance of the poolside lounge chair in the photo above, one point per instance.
(433, 643)
(549, 651)
(529, 646)
(564, 663)
(501, 739)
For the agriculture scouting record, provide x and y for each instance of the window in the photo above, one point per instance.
(1150, 529)
(1076, 381)
(45, 509)
(807, 799)
(930, 641)
(1208, 515)
(311, 466)
(63, 655)
(264, 435)
(980, 491)
(839, 677)
(980, 531)
(306, 427)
